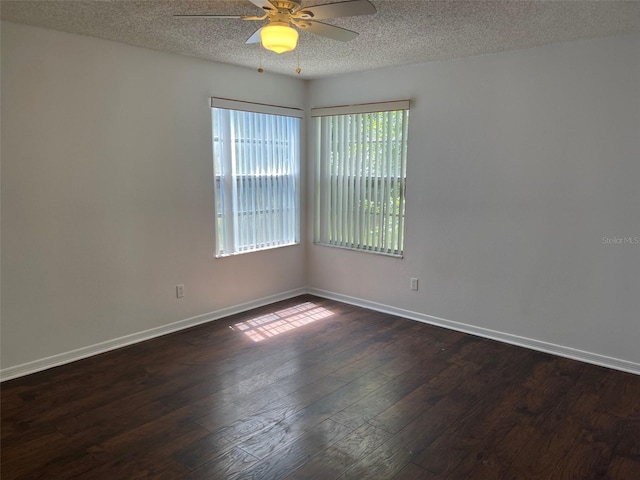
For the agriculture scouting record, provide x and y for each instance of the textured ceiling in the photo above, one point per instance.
(401, 32)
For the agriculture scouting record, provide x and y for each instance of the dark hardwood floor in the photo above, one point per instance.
(311, 388)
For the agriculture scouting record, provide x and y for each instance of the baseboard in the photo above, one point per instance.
(84, 352)
(560, 350)
(78, 354)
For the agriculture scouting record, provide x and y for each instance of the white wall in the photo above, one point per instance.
(107, 192)
(519, 163)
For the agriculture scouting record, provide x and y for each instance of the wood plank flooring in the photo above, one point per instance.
(311, 388)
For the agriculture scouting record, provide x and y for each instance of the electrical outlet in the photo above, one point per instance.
(180, 291)
(414, 284)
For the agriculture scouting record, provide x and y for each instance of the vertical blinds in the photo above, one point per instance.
(256, 168)
(361, 155)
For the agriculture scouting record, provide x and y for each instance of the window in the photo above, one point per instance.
(256, 163)
(361, 158)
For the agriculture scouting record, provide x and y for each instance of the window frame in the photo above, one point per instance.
(226, 207)
(327, 207)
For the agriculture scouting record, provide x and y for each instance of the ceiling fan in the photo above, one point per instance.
(278, 34)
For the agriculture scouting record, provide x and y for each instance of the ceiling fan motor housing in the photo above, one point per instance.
(286, 5)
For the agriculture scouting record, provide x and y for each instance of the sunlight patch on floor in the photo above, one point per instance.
(272, 324)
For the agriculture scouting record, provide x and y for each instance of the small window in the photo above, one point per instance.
(361, 167)
(256, 160)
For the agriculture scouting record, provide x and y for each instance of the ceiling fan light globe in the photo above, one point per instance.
(279, 37)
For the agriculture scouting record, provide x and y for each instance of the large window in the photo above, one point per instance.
(256, 159)
(361, 158)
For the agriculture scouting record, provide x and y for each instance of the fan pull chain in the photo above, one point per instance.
(298, 70)
(260, 69)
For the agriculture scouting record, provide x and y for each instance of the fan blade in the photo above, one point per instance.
(208, 16)
(263, 4)
(255, 38)
(341, 9)
(325, 30)
(241, 17)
